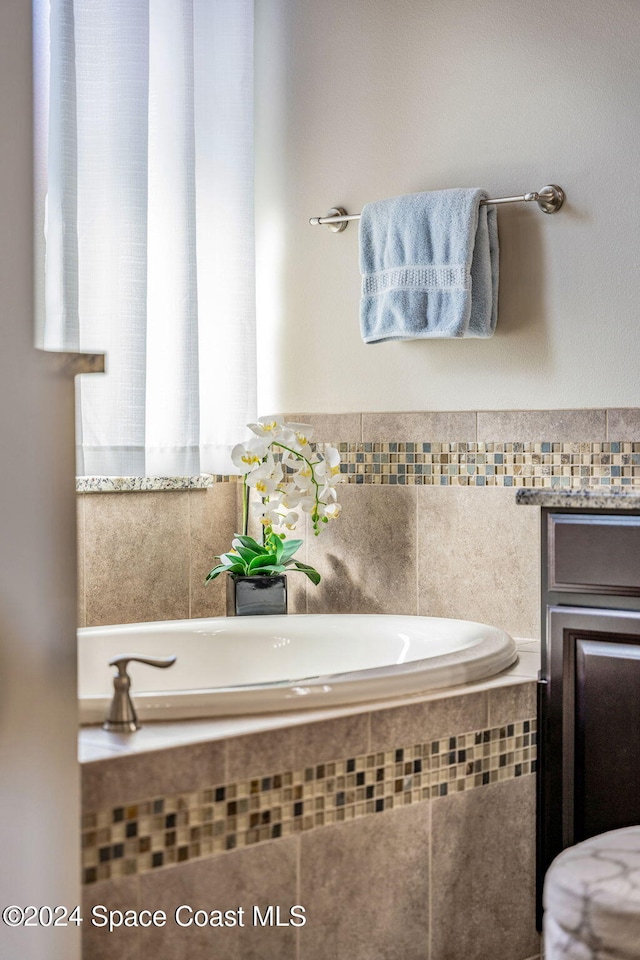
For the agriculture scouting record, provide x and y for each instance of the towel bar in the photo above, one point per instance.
(549, 198)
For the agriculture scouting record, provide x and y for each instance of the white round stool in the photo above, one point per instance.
(592, 899)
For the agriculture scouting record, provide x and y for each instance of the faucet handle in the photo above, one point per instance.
(122, 716)
(123, 659)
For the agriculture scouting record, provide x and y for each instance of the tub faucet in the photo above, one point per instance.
(122, 717)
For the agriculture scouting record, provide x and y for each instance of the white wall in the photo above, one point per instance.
(366, 99)
(39, 788)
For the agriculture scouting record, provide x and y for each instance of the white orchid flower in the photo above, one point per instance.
(303, 478)
(300, 480)
(266, 477)
(267, 513)
(302, 431)
(297, 436)
(329, 466)
(290, 520)
(267, 428)
(249, 455)
(327, 493)
(290, 496)
(290, 463)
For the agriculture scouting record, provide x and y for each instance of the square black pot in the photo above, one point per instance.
(256, 596)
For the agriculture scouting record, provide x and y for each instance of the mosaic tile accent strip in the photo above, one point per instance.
(164, 831)
(484, 464)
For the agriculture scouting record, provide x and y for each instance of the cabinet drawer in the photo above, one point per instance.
(594, 554)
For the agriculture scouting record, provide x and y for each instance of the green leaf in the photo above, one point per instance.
(224, 568)
(269, 568)
(246, 554)
(290, 547)
(275, 546)
(249, 543)
(259, 562)
(310, 572)
(215, 572)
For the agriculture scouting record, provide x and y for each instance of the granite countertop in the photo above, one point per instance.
(129, 484)
(580, 498)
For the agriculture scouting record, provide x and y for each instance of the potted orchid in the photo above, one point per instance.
(287, 479)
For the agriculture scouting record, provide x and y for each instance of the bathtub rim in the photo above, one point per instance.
(498, 652)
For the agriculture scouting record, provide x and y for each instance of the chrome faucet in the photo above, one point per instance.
(122, 717)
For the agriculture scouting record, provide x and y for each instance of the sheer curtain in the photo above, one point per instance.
(149, 227)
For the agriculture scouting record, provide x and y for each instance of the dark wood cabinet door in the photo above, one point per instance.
(594, 705)
(606, 733)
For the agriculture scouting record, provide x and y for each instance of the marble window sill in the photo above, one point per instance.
(141, 484)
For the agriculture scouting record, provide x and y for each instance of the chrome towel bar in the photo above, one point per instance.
(549, 198)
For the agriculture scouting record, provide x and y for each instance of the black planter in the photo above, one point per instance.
(251, 596)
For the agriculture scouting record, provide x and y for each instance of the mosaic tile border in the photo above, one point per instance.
(549, 464)
(142, 836)
(485, 464)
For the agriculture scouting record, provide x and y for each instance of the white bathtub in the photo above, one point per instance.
(228, 666)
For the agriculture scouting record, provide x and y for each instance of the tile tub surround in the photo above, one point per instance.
(461, 552)
(144, 556)
(478, 559)
(396, 792)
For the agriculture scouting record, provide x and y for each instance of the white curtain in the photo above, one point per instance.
(149, 228)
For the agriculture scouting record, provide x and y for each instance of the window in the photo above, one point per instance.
(145, 154)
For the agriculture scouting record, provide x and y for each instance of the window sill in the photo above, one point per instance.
(142, 484)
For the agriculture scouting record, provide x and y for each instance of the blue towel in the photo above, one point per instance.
(429, 264)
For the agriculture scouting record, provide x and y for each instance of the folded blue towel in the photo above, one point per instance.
(429, 264)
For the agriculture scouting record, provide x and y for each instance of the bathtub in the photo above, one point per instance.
(230, 666)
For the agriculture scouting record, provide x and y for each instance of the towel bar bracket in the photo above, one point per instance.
(337, 219)
(549, 198)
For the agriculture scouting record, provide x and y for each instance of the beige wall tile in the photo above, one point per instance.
(213, 523)
(419, 427)
(330, 740)
(483, 873)
(297, 591)
(298, 585)
(366, 886)
(259, 754)
(623, 423)
(479, 557)
(421, 722)
(136, 557)
(505, 426)
(142, 776)
(82, 608)
(263, 875)
(97, 942)
(367, 556)
(508, 704)
(292, 748)
(331, 427)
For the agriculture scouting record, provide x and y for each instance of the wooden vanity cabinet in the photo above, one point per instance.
(588, 772)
